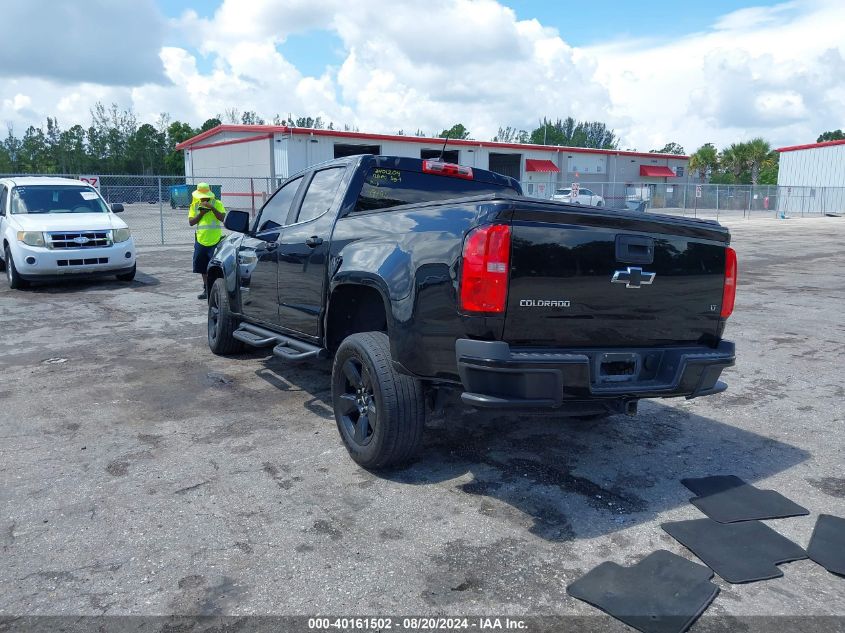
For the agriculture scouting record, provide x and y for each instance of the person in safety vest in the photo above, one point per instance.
(206, 213)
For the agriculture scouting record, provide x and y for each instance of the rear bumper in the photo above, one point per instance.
(496, 376)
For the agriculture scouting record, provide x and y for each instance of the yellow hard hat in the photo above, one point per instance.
(203, 191)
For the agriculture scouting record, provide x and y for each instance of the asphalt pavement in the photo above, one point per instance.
(140, 474)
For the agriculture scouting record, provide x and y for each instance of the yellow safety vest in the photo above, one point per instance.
(209, 228)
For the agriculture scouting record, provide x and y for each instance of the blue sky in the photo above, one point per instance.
(580, 24)
(655, 71)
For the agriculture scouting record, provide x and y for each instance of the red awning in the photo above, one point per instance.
(547, 166)
(655, 171)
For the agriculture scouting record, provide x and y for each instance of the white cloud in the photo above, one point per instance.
(773, 72)
(112, 43)
(769, 71)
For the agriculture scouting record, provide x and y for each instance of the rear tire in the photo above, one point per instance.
(16, 282)
(221, 322)
(127, 276)
(380, 413)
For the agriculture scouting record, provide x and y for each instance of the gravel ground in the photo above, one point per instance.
(143, 475)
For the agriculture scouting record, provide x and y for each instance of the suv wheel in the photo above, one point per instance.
(127, 276)
(221, 322)
(380, 413)
(16, 282)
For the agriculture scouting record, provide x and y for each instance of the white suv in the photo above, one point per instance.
(58, 228)
(585, 196)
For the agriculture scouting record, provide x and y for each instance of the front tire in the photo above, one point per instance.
(221, 322)
(127, 276)
(16, 282)
(380, 413)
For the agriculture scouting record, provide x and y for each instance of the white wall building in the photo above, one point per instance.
(811, 178)
(266, 154)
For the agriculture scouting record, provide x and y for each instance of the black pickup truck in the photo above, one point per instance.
(419, 277)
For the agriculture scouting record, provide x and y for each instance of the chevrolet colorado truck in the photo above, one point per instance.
(417, 277)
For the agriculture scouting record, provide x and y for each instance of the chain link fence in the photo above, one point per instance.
(705, 200)
(156, 207)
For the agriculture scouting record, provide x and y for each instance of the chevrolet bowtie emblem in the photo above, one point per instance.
(633, 277)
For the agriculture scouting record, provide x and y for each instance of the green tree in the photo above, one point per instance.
(210, 124)
(456, 131)
(33, 151)
(510, 135)
(52, 138)
(669, 148)
(569, 133)
(146, 150)
(705, 161)
(834, 135)
(769, 173)
(108, 136)
(735, 160)
(250, 117)
(758, 155)
(177, 132)
(72, 153)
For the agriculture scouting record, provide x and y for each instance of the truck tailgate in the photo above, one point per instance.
(583, 276)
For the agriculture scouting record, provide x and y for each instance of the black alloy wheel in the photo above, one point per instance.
(221, 322)
(380, 413)
(356, 403)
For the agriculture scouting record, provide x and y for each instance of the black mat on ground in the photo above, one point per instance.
(663, 593)
(827, 544)
(728, 499)
(738, 552)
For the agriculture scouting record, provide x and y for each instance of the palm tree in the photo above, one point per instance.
(705, 160)
(759, 155)
(735, 159)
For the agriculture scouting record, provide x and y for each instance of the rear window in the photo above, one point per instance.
(384, 188)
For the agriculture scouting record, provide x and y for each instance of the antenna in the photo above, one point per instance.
(443, 149)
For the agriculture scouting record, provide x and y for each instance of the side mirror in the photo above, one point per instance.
(237, 221)
(116, 207)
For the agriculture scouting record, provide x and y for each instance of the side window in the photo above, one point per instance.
(275, 212)
(4, 196)
(586, 192)
(320, 194)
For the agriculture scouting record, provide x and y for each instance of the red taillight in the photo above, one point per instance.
(729, 292)
(484, 270)
(446, 169)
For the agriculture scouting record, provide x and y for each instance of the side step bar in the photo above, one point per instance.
(285, 346)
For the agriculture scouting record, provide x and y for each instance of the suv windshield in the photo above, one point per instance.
(56, 199)
(384, 188)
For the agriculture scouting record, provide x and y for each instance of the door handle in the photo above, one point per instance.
(634, 249)
(313, 241)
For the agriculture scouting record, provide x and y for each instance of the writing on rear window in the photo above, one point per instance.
(380, 176)
(385, 188)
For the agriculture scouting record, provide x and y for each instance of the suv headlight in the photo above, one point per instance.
(121, 235)
(31, 238)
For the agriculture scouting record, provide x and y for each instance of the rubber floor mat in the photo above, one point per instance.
(663, 593)
(738, 552)
(728, 499)
(827, 545)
